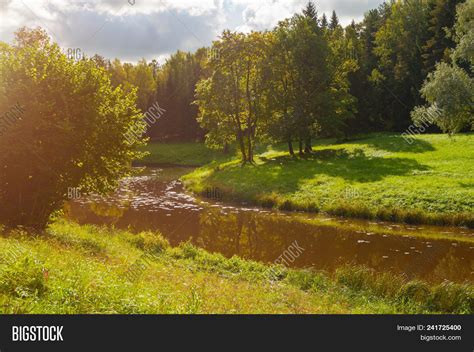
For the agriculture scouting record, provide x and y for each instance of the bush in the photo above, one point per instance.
(67, 129)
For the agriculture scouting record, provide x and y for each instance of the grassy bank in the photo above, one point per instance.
(74, 269)
(185, 154)
(377, 177)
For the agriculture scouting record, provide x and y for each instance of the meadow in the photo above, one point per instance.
(85, 269)
(377, 176)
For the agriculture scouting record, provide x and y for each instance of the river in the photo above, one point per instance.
(155, 200)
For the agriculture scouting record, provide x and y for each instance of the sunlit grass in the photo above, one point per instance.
(379, 176)
(85, 269)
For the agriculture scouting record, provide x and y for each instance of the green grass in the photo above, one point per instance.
(184, 154)
(378, 176)
(85, 269)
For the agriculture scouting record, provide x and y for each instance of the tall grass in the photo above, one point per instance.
(85, 269)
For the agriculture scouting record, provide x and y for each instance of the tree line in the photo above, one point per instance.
(310, 77)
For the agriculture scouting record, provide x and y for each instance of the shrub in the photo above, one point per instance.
(70, 130)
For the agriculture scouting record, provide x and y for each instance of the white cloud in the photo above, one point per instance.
(153, 28)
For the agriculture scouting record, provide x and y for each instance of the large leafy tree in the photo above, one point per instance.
(282, 93)
(232, 101)
(345, 48)
(313, 79)
(308, 94)
(71, 131)
(449, 90)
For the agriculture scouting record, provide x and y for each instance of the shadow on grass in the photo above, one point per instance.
(352, 166)
(396, 143)
(466, 184)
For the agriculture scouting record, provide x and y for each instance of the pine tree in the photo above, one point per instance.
(324, 22)
(334, 21)
(310, 11)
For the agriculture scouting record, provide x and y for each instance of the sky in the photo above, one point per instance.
(154, 29)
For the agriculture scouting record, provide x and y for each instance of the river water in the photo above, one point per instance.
(155, 200)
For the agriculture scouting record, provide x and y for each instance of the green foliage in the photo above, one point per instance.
(139, 77)
(71, 133)
(57, 275)
(400, 66)
(450, 88)
(176, 82)
(232, 101)
(285, 85)
(437, 47)
(150, 242)
(334, 24)
(22, 278)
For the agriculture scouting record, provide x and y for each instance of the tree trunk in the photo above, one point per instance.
(242, 149)
(250, 150)
(307, 148)
(300, 145)
(290, 147)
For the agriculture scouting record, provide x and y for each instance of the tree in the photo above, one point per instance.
(449, 90)
(300, 83)
(310, 11)
(324, 22)
(442, 17)
(231, 102)
(312, 81)
(343, 61)
(176, 82)
(71, 132)
(370, 110)
(400, 66)
(334, 21)
(140, 77)
(281, 126)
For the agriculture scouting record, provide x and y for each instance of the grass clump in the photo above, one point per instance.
(23, 278)
(446, 297)
(150, 242)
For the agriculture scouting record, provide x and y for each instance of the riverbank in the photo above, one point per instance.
(380, 176)
(85, 269)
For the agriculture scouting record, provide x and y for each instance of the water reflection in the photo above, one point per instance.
(156, 201)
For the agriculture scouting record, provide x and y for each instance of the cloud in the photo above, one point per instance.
(155, 28)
